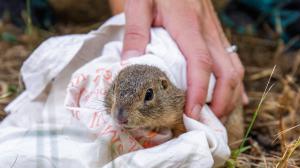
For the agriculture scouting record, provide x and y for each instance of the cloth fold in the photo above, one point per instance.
(60, 120)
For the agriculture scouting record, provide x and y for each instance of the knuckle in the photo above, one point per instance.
(241, 72)
(193, 31)
(231, 78)
(201, 93)
(200, 90)
(135, 32)
(239, 66)
(202, 58)
(211, 33)
(200, 64)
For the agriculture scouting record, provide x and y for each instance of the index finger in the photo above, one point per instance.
(137, 29)
(184, 28)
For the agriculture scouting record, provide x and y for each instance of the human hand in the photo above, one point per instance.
(194, 26)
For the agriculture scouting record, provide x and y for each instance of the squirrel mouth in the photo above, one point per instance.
(131, 127)
(127, 126)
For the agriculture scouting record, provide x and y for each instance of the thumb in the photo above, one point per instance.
(137, 29)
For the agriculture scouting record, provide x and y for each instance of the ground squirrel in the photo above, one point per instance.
(142, 96)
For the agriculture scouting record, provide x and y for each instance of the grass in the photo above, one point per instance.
(231, 163)
(288, 153)
(29, 25)
(249, 48)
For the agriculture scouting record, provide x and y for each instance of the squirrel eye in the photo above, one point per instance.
(149, 95)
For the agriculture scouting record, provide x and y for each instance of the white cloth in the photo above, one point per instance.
(59, 121)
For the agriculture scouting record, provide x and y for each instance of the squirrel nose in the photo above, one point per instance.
(122, 116)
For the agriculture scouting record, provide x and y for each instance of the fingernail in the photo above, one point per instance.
(131, 53)
(245, 99)
(196, 112)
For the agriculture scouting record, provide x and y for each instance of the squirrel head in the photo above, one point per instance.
(142, 96)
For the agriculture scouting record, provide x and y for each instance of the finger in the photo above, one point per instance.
(198, 75)
(184, 28)
(223, 68)
(137, 29)
(227, 78)
(245, 96)
(223, 95)
(241, 73)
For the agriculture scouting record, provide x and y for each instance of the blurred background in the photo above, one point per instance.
(267, 33)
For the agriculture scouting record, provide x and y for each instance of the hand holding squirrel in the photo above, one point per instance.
(194, 26)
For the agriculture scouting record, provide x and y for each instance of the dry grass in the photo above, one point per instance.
(275, 135)
(278, 122)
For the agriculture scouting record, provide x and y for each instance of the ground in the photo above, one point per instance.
(277, 124)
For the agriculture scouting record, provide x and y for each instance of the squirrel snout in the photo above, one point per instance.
(122, 116)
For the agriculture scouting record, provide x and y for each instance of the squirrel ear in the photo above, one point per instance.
(164, 83)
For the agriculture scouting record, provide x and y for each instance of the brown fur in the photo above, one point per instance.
(128, 90)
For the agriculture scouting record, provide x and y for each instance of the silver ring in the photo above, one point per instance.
(232, 49)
